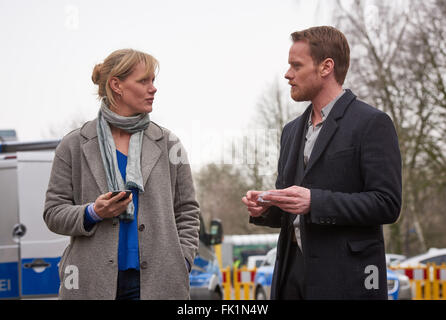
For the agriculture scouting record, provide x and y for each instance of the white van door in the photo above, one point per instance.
(40, 249)
(9, 223)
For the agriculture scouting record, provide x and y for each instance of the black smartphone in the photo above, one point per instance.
(127, 194)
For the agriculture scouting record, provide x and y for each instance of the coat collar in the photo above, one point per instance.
(295, 145)
(90, 149)
(328, 130)
(330, 127)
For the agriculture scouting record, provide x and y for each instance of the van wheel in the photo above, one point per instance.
(260, 294)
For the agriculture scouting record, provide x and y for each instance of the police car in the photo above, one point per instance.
(206, 278)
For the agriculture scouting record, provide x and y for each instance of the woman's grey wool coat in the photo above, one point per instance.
(168, 217)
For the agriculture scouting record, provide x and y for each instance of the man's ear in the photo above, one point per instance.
(115, 85)
(326, 67)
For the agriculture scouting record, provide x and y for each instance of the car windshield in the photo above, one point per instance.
(270, 258)
(437, 260)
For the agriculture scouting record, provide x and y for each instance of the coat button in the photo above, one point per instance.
(141, 227)
(143, 265)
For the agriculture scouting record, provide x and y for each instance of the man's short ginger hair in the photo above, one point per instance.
(327, 42)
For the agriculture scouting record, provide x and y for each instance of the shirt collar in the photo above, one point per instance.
(326, 110)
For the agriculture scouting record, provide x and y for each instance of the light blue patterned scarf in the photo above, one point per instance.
(134, 125)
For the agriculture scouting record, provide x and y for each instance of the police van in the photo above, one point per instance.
(30, 252)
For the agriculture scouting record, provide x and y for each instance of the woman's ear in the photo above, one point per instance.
(115, 85)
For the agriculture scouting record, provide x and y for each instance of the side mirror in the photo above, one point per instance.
(216, 232)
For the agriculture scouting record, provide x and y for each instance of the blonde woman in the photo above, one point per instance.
(137, 246)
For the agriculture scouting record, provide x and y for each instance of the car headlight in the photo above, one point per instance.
(404, 280)
(392, 286)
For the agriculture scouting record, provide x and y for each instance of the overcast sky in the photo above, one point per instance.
(216, 58)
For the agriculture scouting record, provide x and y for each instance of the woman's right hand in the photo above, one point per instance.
(107, 207)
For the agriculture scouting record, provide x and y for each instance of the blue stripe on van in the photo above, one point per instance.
(9, 280)
(40, 283)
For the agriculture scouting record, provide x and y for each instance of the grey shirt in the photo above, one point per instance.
(310, 141)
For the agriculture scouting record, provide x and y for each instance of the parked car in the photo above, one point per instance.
(393, 259)
(400, 289)
(255, 261)
(263, 279)
(405, 291)
(206, 278)
(393, 285)
(264, 276)
(434, 255)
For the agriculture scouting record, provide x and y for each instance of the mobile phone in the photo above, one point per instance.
(127, 194)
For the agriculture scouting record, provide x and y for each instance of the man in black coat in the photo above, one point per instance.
(339, 181)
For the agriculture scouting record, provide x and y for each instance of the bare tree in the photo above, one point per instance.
(219, 192)
(57, 131)
(274, 110)
(398, 64)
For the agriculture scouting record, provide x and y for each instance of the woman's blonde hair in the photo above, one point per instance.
(120, 64)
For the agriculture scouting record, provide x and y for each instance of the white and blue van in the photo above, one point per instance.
(29, 252)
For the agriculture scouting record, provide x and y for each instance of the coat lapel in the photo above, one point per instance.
(151, 152)
(94, 160)
(291, 168)
(329, 128)
(300, 158)
(90, 149)
(150, 155)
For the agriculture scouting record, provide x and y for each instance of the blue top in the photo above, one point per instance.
(128, 247)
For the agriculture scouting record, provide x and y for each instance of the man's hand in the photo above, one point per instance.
(293, 199)
(255, 208)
